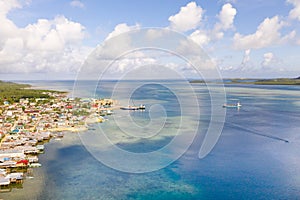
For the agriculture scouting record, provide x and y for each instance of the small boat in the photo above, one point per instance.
(109, 112)
(100, 119)
(60, 134)
(40, 147)
(237, 105)
(35, 165)
(141, 107)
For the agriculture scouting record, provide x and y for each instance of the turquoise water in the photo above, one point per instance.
(250, 161)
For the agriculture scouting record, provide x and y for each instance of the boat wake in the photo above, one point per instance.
(255, 132)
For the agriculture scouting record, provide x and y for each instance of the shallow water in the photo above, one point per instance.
(248, 161)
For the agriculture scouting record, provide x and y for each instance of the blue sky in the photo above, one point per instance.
(50, 39)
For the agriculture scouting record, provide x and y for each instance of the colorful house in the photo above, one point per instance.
(22, 163)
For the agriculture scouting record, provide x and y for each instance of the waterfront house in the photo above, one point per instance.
(9, 113)
(30, 150)
(61, 123)
(33, 159)
(12, 154)
(4, 181)
(45, 135)
(22, 163)
(15, 177)
(2, 134)
(8, 164)
(24, 101)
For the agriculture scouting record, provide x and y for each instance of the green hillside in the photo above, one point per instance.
(13, 92)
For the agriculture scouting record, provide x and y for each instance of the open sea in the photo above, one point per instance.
(256, 157)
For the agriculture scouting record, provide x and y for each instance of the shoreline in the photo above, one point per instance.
(28, 124)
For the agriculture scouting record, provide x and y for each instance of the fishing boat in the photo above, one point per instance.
(237, 105)
(141, 107)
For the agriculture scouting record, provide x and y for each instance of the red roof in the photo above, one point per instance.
(25, 162)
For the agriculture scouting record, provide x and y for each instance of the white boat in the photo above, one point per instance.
(237, 105)
(109, 112)
(40, 147)
(35, 165)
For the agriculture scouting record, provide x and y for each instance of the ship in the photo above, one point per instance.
(141, 107)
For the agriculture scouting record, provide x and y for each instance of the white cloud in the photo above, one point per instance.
(45, 46)
(226, 17)
(200, 37)
(153, 34)
(115, 56)
(7, 5)
(246, 58)
(77, 3)
(131, 61)
(247, 64)
(121, 28)
(124, 53)
(267, 34)
(8, 28)
(295, 12)
(225, 22)
(272, 64)
(188, 18)
(52, 35)
(268, 58)
(117, 42)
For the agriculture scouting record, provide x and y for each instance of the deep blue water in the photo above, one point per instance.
(250, 160)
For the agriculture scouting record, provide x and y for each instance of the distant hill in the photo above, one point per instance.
(278, 81)
(275, 81)
(13, 92)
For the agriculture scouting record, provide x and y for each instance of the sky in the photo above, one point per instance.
(51, 39)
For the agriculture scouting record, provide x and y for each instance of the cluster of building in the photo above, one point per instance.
(25, 126)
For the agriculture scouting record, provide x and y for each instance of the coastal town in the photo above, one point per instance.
(26, 125)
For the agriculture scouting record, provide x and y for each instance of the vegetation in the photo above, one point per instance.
(277, 81)
(13, 92)
(197, 81)
(280, 81)
(80, 112)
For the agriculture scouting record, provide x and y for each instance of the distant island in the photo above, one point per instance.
(275, 81)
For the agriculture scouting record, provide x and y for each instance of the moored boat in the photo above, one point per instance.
(141, 107)
(237, 105)
(35, 165)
